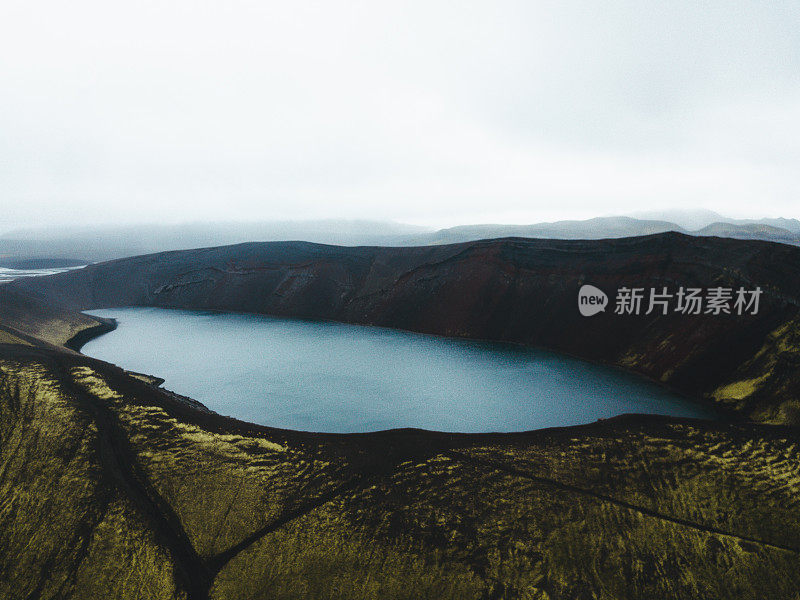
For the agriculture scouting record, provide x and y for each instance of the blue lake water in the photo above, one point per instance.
(322, 376)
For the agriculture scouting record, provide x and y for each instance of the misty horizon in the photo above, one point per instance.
(690, 220)
(509, 112)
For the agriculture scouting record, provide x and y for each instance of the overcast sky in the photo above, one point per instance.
(437, 113)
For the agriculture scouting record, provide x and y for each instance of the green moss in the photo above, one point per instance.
(634, 510)
(7, 338)
(738, 390)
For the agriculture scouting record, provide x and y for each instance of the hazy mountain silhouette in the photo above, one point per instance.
(697, 220)
(597, 228)
(100, 243)
(688, 219)
(750, 231)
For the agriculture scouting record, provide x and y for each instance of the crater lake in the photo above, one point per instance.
(334, 377)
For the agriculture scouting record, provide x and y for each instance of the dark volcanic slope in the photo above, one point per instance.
(35, 322)
(111, 488)
(510, 289)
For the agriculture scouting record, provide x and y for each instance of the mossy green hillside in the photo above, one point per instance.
(183, 503)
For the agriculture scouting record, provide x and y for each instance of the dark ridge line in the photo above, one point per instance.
(119, 462)
(77, 341)
(566, 487)
(217, 562)
(33, 342)
(227, 513)
(85, 535)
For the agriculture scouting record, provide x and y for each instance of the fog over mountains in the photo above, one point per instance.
(694, 220)
(99, 243)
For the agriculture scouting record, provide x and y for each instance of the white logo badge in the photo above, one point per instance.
(591, 300)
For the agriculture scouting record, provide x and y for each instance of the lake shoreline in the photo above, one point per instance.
(80, 339)
(425, 373)
(722, 413)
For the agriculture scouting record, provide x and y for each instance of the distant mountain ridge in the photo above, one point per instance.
(597, 228)
(699, 219)
(101, 243)
(615, 227)
(750, 231)
(97, 244)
